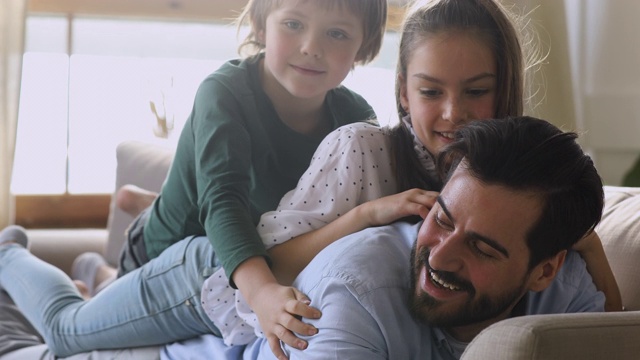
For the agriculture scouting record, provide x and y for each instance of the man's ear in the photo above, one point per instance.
(543, 274)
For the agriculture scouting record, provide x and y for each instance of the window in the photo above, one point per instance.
(91, 82)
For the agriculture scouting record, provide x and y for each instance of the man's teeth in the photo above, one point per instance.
(438, 281)
(448, 135)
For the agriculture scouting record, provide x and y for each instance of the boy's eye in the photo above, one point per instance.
(337, 34)
(292, 24)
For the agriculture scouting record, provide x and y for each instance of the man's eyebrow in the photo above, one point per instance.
(474, 235)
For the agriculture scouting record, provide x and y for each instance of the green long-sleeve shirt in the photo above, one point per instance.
(235, 159)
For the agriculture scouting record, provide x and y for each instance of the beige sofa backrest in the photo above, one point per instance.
(141, 164)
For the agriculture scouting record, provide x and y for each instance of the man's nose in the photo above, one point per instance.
(445, 254)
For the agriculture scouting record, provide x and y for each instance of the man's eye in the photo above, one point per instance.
(482, 249)
(442, 223)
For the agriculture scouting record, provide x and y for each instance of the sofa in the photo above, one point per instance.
(566, 336)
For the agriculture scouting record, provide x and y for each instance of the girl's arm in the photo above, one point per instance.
(290, 257)
(591, 250)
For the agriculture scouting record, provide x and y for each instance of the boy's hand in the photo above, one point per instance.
(279, 310)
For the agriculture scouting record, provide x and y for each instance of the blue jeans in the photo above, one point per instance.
(155, 304)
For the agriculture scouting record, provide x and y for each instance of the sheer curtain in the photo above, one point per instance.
(12, 25)
(553, 95)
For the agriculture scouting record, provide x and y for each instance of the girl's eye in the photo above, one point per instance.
(477, 92)
(430, 93)
(338, 34)
(292, 24)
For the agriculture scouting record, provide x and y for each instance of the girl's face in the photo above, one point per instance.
(450, 80)
(309, 48)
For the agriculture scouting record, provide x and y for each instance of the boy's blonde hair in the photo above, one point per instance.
(373, 14)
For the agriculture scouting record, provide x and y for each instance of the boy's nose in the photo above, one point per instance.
(312, 46)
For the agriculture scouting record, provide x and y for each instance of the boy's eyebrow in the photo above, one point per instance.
(472, 234)
(336, 22)
(466, 81)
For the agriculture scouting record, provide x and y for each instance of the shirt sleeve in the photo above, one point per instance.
(351, 166)
(222, 148)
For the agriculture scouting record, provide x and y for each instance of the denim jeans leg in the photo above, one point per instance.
(156, 304)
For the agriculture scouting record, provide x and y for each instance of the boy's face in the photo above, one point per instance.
(470, 262)
(450, 80)
(309, 48)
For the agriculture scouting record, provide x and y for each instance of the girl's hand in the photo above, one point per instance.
(390, 208)
(279, 309)
(591, 250)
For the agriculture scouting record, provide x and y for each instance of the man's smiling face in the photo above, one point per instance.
(470, 261)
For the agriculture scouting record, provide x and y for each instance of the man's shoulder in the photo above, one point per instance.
(372, 258)
(361, 285)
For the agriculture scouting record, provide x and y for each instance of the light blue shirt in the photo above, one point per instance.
(361, 285)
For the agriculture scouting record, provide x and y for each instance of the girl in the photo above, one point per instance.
(254, 125)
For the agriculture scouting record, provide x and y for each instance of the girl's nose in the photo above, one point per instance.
(453, 112)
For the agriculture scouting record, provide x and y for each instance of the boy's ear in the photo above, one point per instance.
(543, 274)
(260, 36)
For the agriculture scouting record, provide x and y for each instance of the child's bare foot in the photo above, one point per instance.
(83, 289)
(93, 272)
(133, 199)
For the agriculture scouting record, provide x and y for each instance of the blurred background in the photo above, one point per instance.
(80, 76)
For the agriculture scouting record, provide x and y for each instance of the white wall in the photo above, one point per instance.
(604, 49)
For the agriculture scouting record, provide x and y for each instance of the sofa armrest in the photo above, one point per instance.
(60, 247)
(564, 336)
(620, 234)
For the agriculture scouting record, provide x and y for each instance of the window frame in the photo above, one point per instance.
(92, 210)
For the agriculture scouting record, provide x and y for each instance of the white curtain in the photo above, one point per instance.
(12, 25)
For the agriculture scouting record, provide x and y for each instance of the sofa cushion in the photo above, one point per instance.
(620, 234)
(141, 164)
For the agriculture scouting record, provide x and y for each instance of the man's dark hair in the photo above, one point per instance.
(529, 154)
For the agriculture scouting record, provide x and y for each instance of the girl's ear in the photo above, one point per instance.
(404, 99)
(543, 274)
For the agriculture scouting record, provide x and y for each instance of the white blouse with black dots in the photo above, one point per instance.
(351, 166)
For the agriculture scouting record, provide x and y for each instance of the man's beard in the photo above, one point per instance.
(476, 309)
